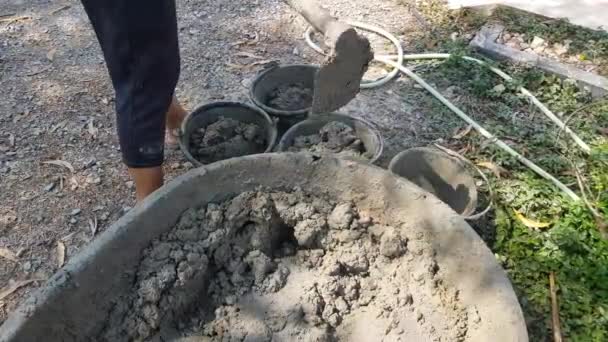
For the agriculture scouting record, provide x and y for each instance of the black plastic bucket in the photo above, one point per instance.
(439, 173)
(269, 80)
(212, 112)
(369, 136)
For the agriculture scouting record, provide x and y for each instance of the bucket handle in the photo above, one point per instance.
(483, 176)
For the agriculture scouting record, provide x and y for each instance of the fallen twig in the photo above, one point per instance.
(15, 286)
(419, 17)
(249, 66)
(93, 225)
(61, 163)
(599, 219)
(248, 55)
(12, 19)
(253, 41)
(462, 133)
(59, 9)
(39, 71)
(557, 331)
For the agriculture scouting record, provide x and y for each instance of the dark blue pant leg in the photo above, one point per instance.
(140, 46)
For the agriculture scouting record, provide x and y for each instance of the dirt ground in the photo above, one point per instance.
(57, 105)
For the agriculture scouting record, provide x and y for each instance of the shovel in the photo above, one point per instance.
(339, 77)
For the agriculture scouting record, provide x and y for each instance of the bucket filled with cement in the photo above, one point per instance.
(279, 247)
(445, 176)
(341, 135)
(285, 92)
(223, 130)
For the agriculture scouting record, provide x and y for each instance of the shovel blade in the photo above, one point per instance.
(338, 80)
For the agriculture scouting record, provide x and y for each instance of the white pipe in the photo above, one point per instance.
(388, 59)
(483, 131)
(506, 77)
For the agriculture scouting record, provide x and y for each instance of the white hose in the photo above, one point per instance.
(400, 57)
(388, 60)
(506, 77)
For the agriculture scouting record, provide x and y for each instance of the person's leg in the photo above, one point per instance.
(139, 42)
(175, 116)
(147, 180)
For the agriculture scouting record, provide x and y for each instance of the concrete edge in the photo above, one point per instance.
(485, 42)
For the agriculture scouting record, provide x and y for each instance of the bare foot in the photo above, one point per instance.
(147, 180)
(175, 116)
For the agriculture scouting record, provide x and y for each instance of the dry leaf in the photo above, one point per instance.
(235, 66)
(60, 253)
(249, 66)
(7, 254)
(51, 54)
(498, 171)
(462, 133)
(248, 55)
(253, 41)
(603, 130)
(74, 184)
(92, 129)
(62, 163)
(15, 286)
(93, 225)
(568, 173)
(7, 218)
(464, 150)
(530, 223)
(262, 62)
(431, 43)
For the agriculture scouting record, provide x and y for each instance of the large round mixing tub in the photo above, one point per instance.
(75, 302)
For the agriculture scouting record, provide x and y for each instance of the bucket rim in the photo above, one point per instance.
(282, 145)
(271, 126)
(274, 111)
(398, 158)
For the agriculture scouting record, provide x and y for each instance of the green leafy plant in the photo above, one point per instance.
(573, 245)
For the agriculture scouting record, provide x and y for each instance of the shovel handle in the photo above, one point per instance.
(317, 17)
